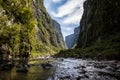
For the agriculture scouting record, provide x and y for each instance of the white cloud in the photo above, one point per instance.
(47, 4)
(69, 28)
(68, 8)
(68, 14)
(71, 12)
(56, 1)
(73, 18)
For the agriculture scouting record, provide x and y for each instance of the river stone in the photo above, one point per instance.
(23, 68)
(65, 77)
(7, 66)
(82, 71)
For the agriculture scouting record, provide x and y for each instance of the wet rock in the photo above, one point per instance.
(82, 71)
(83, 67)
(82, 77)
(110, 68)
(78, 78)
(118, 70)
(100, 65)
(28, 65)
(65, 77)
(7, 66)
(111, 74)
(118, 65)
(46, 65)
(86, 76)
(23, 68)
(79, 67)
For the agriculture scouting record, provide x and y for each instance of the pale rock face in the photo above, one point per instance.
(72, 39)
(59, 35)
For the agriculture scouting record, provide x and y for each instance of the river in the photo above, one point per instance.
(67, 69)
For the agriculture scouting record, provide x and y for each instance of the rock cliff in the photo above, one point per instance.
(99, 36)
(100, 25)
(25, 26)
(59, 36)
(71, 40)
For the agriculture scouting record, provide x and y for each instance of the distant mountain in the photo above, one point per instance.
(71, 40)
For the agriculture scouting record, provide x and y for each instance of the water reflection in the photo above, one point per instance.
(67, 69)
(35, 72)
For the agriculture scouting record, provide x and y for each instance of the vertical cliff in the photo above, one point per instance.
(59, 36)
(99, 26)
(99, 36)
(48, 36)
(71, 40)
(25, 26)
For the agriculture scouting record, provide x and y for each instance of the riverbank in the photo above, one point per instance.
(93, 53)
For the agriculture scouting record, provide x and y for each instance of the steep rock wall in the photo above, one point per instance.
(71, 40)
(25, 26)
(59, 35)
(100, 24)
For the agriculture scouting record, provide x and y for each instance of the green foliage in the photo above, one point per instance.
(0, 2)
(17, 25)
(20, 32)
(46, 41)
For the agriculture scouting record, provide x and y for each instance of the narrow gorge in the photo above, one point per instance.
(59, 40)
(99, 31)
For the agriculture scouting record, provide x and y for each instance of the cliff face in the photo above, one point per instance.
(100, 25)
(59, 36)
(99, 36)
(25, 26)
(71, 40)
(47, 33)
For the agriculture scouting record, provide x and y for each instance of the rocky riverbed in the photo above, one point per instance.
(67, 69)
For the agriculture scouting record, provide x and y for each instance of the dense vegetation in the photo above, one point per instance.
(26, 27)
(17, 25)
(46, 41)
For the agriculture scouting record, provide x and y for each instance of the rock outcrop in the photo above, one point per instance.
(71, 40)
(59, 36)
(47, 32)
(100, 25)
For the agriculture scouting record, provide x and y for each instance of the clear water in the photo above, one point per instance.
(67, 69)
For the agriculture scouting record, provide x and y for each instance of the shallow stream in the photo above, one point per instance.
(67, 69)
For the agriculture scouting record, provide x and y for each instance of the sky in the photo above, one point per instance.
(67, 13)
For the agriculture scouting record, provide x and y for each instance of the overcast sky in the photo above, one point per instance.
(66, 12)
